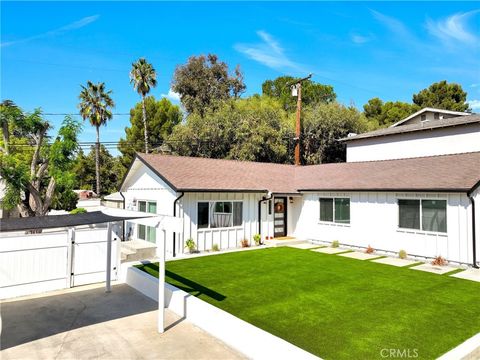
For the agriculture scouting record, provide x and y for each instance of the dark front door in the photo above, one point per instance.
(280, 217)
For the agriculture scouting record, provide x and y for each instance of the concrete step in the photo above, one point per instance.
(284, 242)
(137, 250)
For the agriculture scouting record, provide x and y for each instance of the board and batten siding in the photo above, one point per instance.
(224, 237)
(374, 222)
(144, 184)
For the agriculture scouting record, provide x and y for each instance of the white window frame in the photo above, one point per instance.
(146, 210)
(209, 207)
(324, 222)
(420, 230)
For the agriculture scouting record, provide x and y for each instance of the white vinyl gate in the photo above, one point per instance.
(35, 263)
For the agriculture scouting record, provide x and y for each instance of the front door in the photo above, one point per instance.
(280, 217)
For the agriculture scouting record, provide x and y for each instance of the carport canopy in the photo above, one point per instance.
(60, 221)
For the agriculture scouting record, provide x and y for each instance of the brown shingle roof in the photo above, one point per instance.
(428, 125)
(190, 173)
(458, 172)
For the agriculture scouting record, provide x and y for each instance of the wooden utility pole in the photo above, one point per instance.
(298, 86)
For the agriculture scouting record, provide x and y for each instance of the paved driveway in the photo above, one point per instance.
(86, 323)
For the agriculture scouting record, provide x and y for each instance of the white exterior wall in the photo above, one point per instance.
(224, 237)
(374, 222)
(144, 184)
(451, 140)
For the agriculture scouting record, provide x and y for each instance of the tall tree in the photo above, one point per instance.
(253, 129)
(380, 114)
(323, 125)
(204, 81)
(34, 170)
(312, 92)
(442, 95)
(162, 115)
(143, 77)
(95, 104)
(111, 170)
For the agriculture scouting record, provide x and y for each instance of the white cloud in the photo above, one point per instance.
(454, 28)
(474, 85)
(474, 104)
(172, 95)
(269, 53)
(394, 25)
(69, 27)
(361, 39)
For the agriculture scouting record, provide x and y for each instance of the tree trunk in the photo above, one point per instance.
(97, 160)
(144, 111)
(6, 137)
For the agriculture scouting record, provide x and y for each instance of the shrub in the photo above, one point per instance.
(244, 243)
(370, 250)
(402, 254)
(335, 243)
(78, 211)
(215, 247)
(257, 238)
(190, 244)
(439, 261)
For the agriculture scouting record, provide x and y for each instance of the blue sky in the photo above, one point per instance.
(364, 49)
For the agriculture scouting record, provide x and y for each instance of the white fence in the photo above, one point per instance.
(35, 263)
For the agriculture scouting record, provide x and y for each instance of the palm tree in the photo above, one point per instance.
(143, 77)
(95, 104)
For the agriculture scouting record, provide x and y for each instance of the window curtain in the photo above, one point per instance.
(221, 214)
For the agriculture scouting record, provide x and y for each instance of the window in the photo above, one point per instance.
(335, 210)
(436, 116)
(423, 117)
(202, 215)
(427, 215)
(219, 214)
(434, 215)
(144, 232)
(409, 214)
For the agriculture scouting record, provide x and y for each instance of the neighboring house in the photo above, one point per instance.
(408, 139)
(423, 205)
(429, 114)
(114, 200)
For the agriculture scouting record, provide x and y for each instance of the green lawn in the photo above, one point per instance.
(334, 307)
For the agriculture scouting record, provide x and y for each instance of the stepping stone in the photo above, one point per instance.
(469, 274)
(434, 269)
(359, 255)
(304, 246)
(395, 261)
(329, 250)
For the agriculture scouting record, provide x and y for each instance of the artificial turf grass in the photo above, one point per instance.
(332, 306)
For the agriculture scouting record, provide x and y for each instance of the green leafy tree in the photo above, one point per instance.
(442, 95)
(111, 171)
(162, 115)
(95, 104)
(323, 126)
(36, 173)
(204, 81)
(143, 77)
(253, 129)
(380, 114)
(312, 92)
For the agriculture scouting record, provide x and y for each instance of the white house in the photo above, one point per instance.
(411, 138)
(423, 205)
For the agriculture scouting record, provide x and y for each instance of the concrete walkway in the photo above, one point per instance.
(86, 322)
